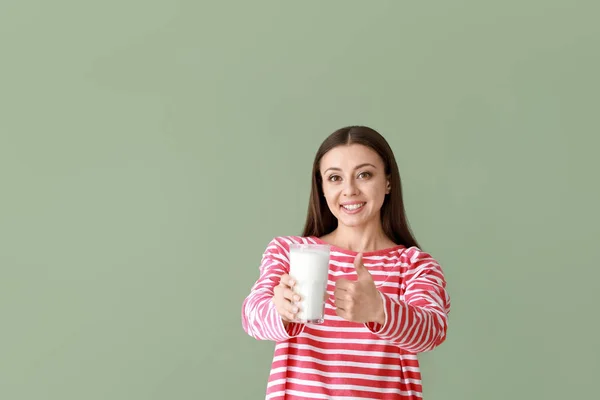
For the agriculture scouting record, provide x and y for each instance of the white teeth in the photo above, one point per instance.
(353, 206)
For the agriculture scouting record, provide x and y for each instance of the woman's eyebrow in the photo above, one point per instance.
(357, 167)
(364, 165)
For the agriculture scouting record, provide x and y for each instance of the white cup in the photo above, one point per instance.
(309, 267)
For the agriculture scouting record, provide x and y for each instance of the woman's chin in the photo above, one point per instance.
(351, 222)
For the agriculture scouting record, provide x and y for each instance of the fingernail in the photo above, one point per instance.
(297, 298)
(295, 309)
(292, 282)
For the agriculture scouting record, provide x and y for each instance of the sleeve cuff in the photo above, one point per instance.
(392, 312)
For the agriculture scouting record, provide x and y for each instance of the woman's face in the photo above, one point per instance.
(354, 184)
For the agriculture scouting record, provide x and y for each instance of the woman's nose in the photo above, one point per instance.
(350, 188)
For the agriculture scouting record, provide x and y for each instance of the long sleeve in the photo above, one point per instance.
(260, 318)
(419, 322)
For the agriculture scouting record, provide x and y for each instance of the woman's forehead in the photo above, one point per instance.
(350, 156)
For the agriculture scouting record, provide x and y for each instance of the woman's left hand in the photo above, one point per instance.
(359, 301)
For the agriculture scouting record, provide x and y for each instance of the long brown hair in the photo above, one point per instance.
(320, 221)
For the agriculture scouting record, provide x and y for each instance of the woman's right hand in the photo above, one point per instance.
(283, 297)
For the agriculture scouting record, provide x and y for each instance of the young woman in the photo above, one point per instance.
(387, 297)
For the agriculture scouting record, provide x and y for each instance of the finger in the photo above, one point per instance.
(358, 260)
(287, 280)
(342, 294)
(290, 295)
(341, 304)
(285, 313)
(343, 284)
(346, 290)
(292, 308)
(343, 297)
(288, 316)
(361, 271)
(286, 310)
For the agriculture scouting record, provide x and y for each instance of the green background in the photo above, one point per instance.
(150, 150)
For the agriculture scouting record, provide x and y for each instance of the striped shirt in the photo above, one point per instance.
(346, 360)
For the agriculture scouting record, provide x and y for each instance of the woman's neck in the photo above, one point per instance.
(359, 239)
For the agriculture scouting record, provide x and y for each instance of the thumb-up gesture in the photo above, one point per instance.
(359, 301)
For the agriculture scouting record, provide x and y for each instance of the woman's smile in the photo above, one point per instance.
(353, 208)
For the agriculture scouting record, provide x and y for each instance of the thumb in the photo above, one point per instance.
(361, 271)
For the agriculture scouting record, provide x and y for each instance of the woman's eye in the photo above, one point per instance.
(364, 175)
(333, 178)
